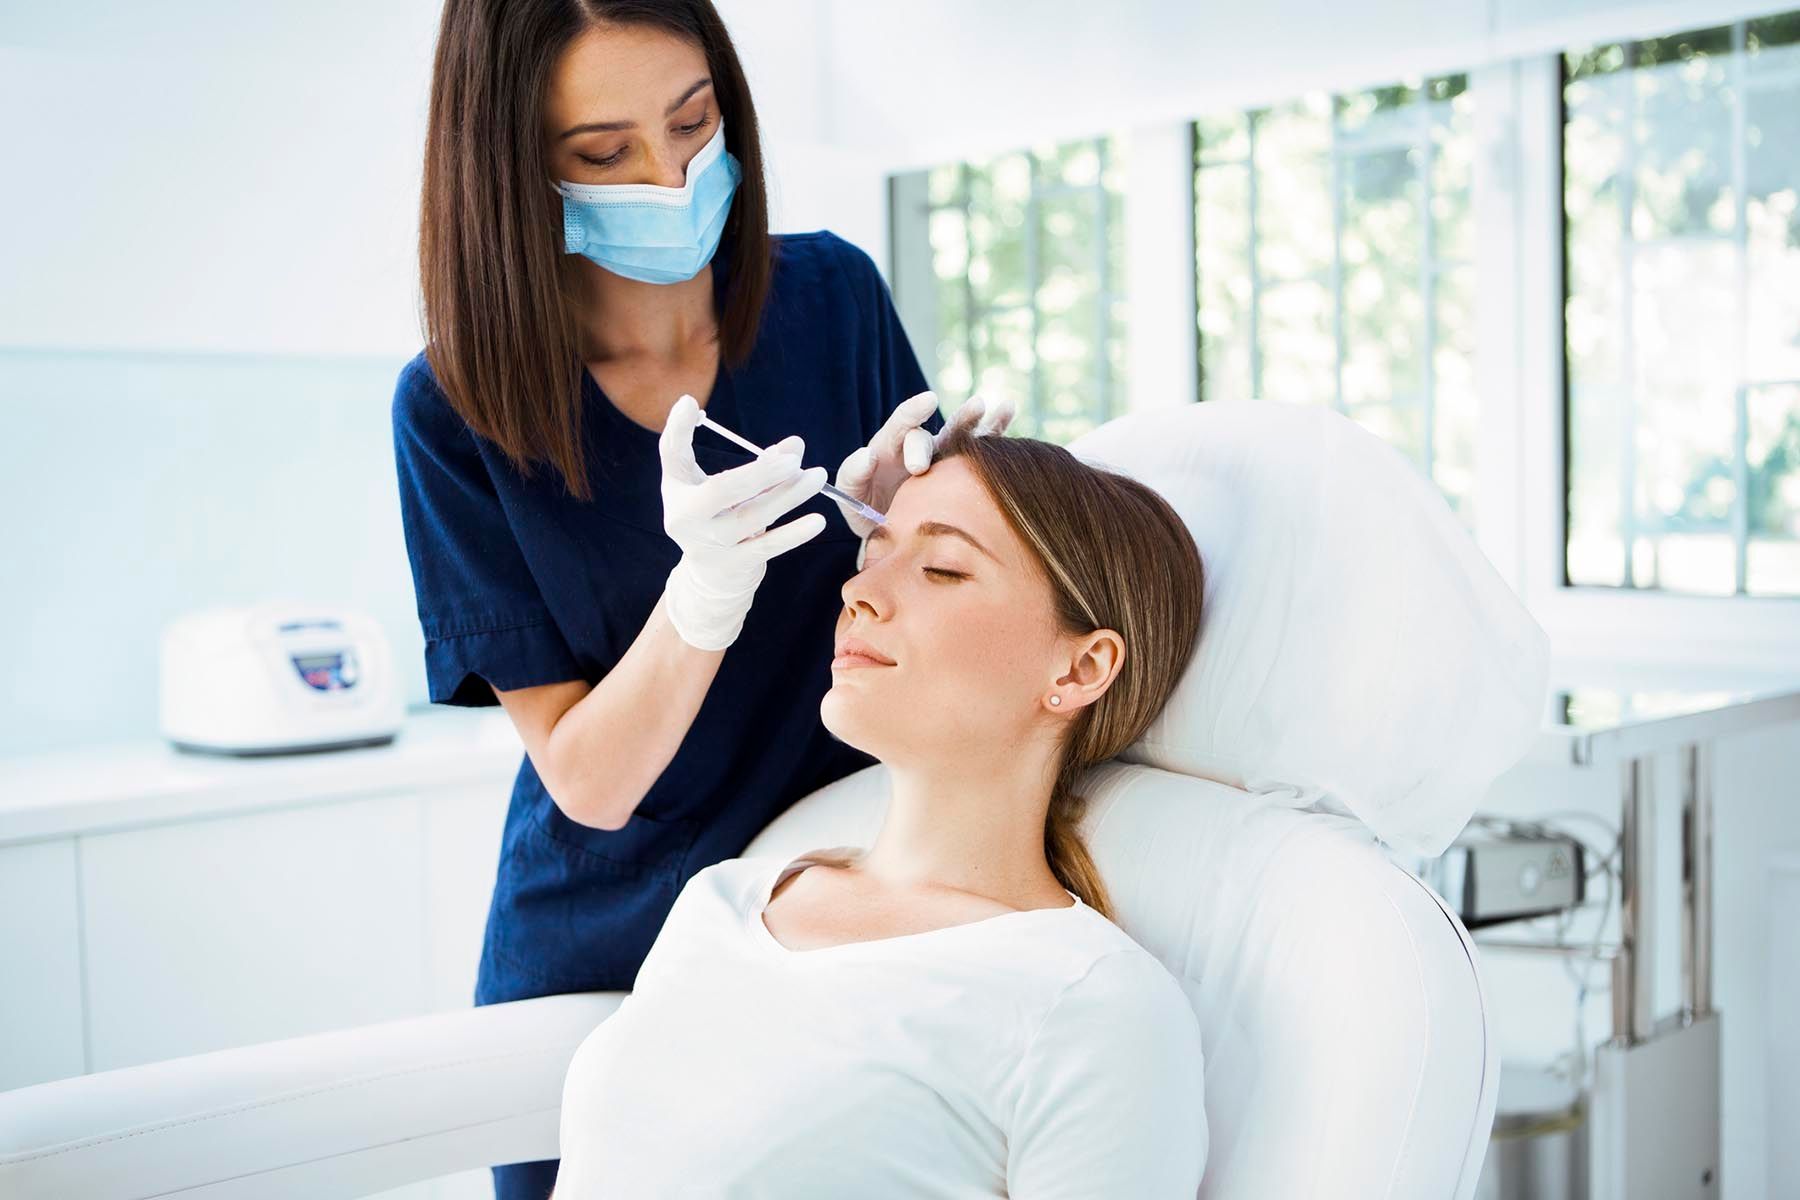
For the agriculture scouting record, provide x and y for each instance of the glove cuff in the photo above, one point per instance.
(707, 618)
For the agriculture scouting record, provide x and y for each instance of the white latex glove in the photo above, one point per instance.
(901, 449)
(719, 521)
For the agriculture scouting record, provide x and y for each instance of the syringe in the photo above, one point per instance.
(835, 493)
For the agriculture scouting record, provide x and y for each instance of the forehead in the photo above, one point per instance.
(951, 492)
(622, 72)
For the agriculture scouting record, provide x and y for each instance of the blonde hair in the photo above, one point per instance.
(1116, 556)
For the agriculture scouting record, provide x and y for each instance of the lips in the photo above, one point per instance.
(860, 648)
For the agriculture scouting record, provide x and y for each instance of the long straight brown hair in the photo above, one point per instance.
(1117, 556)
(499, 321)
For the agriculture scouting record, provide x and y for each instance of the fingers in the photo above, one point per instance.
(911, 413)
(860, 525)
(758, 512)
(917, 455)
(999, 416)
(737, 484)
(970, 411)
(785, 537)
(855, 477)
(979, 417)
(967, 418)
(855, 472)
(676, 444)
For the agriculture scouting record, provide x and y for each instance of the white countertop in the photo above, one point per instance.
(1600, 713)
(147, 782)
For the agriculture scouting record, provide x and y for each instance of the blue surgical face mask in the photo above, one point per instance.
(656, 234)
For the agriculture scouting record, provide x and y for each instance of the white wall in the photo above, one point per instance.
(814, 182)
(212, 177)
(938, 80)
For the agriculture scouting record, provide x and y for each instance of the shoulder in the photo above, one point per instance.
(1116, 1062)
(1124, 1028)
(417, 396)
(416, 379)
(421, 411)
(732, 879)
(1129, 970)
(821, 245)
(822, 254)
(1131, 990)
(741, 880)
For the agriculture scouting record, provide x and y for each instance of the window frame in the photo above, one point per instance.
(1518, 178)
(1414, 132)
(1741, 84)
(910, 211)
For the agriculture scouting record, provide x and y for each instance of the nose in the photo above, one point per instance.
(865, 591)
(668, 167)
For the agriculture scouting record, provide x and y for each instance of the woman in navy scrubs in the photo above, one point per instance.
(566, 308)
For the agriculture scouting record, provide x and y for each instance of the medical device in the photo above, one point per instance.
(1490, 878)
(837, 494)
(276, 678)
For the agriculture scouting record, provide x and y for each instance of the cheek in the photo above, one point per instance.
(982, 645)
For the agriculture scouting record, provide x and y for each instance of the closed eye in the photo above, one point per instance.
(941, 571)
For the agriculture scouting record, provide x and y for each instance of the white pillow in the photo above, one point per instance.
(1358, 652)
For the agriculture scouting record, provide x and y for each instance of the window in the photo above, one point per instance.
(1681, 161)
(1026, 251)
(1334, 239)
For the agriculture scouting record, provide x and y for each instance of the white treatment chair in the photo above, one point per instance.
(1350, 1052)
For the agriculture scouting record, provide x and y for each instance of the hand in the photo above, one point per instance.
(901, 449)
(721, 524)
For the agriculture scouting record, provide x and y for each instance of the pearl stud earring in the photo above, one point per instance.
(1056, 699)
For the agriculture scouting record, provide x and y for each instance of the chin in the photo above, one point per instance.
(850, 718)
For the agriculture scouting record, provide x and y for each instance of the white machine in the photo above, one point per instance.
(276, 678)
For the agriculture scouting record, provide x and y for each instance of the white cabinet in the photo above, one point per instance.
(462, 829)
(155, 904)
(40, 964)
(236, 930)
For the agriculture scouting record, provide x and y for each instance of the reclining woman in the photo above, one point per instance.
(950, 1012)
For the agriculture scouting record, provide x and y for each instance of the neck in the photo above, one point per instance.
(627, 318)
(971, 822)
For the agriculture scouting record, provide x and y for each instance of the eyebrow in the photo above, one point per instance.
(608, 126)
(935, 529)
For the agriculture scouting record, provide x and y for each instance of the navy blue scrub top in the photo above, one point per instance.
(519, 584)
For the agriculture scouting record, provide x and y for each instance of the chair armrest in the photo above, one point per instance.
(343, 1113)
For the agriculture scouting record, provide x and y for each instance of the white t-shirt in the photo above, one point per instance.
(1037, 1054)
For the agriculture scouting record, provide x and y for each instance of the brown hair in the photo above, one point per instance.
(500, 331)
(1116, 556)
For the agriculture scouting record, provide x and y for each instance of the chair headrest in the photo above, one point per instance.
(1358, 652)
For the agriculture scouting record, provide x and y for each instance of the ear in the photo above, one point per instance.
(1094, 663)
